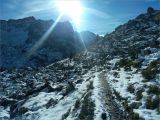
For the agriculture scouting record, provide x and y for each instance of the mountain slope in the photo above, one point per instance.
(26, 42)
(135, 77)
(117, 78)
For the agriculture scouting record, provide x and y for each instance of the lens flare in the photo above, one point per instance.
(72, 8)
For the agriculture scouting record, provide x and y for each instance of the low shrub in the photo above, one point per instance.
(127, 108)
(139, 94)
(131, 114)
(133, 53)
(131, 88)
(127, 63)
(152, 103)
(153, 89)
(151, 71)
(51, 103)
(147, 52)
(116, 74)
(65, 115)
(123, 62)
(134, 116)
(77, 104)
(70, 88)
(87, 110)
(135, 105)
(136, 64)
(23, 110)
(90, 86)
(118, 96)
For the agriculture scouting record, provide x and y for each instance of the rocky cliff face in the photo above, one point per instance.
(19, 38)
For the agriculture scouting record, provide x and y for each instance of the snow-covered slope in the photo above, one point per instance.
(135, 73)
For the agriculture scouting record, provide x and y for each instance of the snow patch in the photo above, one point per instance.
(97, 96)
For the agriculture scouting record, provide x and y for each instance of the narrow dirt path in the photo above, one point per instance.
(115, 113)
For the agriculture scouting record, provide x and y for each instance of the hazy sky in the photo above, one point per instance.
(99, 16)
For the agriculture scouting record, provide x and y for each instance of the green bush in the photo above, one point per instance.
(131, 88)
(122, 62)
(147, 52)
(51, 103)
(65, 115)
(77, 104)
(155, 44)
(118, 96)
(23, 110)
(133, 53)
(135, 105)
(151, 71)
(70, 88)
(127, 63)
(153, 89)
(116, 74)
(129, 109)
(152, 103)
(137, 64)
(134, 116)
(139, 94)
(87, 110)
(158, 110)
(90, 86)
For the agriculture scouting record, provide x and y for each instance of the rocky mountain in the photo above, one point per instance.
(88, 37)
(117, 78)
(25, 42)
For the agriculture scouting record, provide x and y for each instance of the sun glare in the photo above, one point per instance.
(72, 8)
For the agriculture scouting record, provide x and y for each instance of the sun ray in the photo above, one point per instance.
(74, 9)
(44, 37)
(84, 45)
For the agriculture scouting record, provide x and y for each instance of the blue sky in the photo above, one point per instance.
(99, 16)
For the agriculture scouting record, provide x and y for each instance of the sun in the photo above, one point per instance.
(72, 8)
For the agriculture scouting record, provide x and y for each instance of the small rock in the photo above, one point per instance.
(104, 116)
(51, 102)
(150, 10)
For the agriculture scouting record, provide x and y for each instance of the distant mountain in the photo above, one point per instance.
(88, 37)
(85, 39)
(21, 46)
